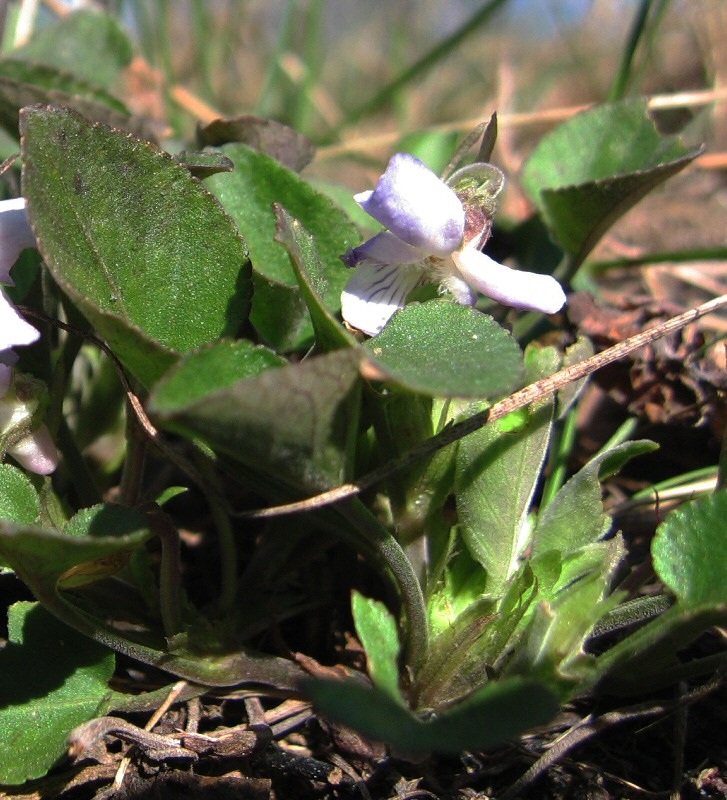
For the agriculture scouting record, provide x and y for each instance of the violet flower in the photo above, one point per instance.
(431, 237)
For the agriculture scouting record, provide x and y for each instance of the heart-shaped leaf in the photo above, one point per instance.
(593, 168)
(442, 349)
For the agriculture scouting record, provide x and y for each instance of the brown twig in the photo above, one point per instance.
(525, 397)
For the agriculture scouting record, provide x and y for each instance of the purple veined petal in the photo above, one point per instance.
(525, 290)
(384, 248)
(15, 235)
(14, 330)
(411, 201)
(375, 293)
(36, 452)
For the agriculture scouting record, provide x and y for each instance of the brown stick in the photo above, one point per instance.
(521, 399)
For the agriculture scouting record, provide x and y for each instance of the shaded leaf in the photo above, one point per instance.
(136, 242)
(51, 680)
(203, 165)
(493, 715)
(47, 561)
(284, 144)
(293, 424)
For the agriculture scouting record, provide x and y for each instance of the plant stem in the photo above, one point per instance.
(170, 572)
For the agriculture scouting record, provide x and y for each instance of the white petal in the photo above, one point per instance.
(375, 292)
(525, 290)
(14, 330)
(411, 201)
(36, 452)
(15, 235)
(384, 248)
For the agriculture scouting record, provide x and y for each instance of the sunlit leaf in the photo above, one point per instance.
(378, 632)
(447, 350)
(593, 168)
(690, 551)
(143, 250)
(90, 44)
(497, 472)
(18, 499)
(51, 680)
(575, 517)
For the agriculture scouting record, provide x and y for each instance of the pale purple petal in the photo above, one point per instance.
(384, 248)
(411, 201)
(15, 235)
(36, 452)
(14, 330)
(375, 293)
(524, 290)
(7, 360)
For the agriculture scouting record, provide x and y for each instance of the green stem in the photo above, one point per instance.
(170, 572)
(425, 63)
(388, 550)
(227, 545)
(563, 447)
(133, 469)
(642, 30)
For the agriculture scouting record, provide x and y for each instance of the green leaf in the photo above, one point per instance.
(494, 715)
(57, 83)
(575, 517)
(94, 103)
(301, 246)
(293, 425)
(105, 519)
(377, 630)
(49, 562)
(465, 654)
(444, 349)
(141, 248)
(214, 367)
(248, 195)
(498, 469)
(51, 680)
(89, 44)
(18, 499)
(690, 550)
(593, 168)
